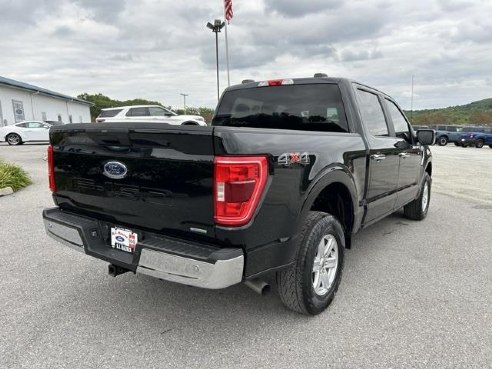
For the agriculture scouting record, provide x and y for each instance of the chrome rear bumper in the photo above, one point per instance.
(221, 274)
(191, 264)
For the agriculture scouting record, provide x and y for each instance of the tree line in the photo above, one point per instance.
(477, 112)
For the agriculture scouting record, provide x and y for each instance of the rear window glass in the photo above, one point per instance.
(316, 107)
(109, 113)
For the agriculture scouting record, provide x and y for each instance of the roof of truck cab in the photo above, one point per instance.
(307, 80)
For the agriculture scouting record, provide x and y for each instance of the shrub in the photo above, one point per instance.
(13, 176)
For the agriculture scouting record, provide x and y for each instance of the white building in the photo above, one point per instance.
(21, 101)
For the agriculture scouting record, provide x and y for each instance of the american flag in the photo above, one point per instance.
(228, 10)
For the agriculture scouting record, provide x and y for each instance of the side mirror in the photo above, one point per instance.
(426, 136)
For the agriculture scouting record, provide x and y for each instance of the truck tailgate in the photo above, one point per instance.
(152, 176)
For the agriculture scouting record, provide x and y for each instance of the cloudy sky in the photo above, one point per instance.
(157, 49)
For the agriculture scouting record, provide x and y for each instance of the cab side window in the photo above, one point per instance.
(372, 113)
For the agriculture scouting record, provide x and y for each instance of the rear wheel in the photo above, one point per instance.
(442, 141)
(479, 144)
(14, 139)
(417, 209)
(490, 146)
(310, 284)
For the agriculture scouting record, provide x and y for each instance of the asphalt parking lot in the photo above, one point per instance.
(413, 294)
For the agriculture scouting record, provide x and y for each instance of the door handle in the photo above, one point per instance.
(403, 155)
(378, 157)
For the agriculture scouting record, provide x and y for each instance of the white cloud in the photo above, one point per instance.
(157, 49)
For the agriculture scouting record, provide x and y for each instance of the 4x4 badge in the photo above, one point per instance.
(294, 158)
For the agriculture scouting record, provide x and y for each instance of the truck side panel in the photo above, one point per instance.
(269, 238)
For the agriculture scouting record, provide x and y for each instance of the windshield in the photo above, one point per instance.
(309, 107)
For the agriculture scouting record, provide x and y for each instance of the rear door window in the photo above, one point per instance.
(372, 113)
(308, 107)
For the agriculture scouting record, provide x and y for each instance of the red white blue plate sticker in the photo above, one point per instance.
(123, 239)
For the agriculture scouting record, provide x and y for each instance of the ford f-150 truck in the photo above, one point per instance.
(289, 170)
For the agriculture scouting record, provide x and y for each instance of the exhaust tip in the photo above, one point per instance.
(266, 290)
(260, 287)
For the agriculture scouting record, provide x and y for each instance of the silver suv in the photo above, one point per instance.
(148, 114)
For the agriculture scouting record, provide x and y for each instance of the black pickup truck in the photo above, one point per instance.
(287, 172)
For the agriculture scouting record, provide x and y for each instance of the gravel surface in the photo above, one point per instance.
(413, 295)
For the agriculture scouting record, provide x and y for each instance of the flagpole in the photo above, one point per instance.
(227, 47)
(227, 56)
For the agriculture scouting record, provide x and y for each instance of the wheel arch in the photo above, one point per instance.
(334, 193)
(15, 133)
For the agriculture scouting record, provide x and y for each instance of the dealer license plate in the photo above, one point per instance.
(123, 239)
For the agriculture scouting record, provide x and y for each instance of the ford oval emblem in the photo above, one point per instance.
(115, 170)
(120, 239)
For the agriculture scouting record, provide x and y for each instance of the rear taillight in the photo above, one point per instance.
(239, 182)
(51, 169)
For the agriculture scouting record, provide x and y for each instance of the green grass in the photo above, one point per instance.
(13, 176)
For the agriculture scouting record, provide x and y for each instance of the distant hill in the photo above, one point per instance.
(477, 112)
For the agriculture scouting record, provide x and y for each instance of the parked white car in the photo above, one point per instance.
(148, 114)
(26, 131)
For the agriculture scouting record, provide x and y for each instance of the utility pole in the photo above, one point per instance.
(184, 102)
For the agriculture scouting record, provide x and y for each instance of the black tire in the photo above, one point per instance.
(442, 141)
(490, 146)
(295, 284)
(416, 210)
(479, 144)
(13, 139)
(457, 144)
